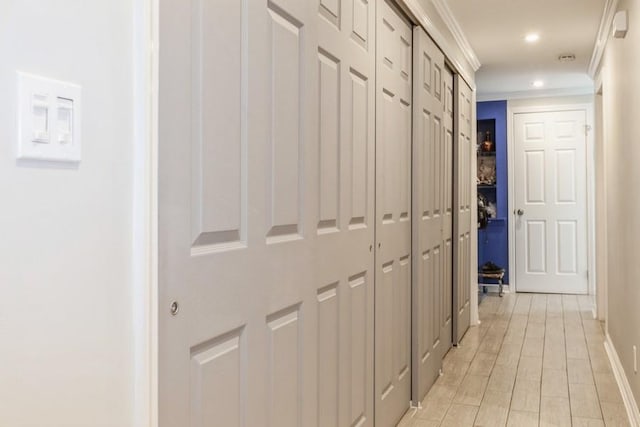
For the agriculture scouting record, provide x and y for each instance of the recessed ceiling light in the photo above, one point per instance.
(537, 83)
(532, 37)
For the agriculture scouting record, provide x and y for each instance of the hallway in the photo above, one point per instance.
(535, 359)
(264, 213)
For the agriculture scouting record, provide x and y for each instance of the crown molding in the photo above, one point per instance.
(603, 35)
(454, 27)
(420, 16)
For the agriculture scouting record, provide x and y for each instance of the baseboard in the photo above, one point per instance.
(623, 384)
(493, 287)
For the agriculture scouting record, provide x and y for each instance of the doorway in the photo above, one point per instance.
(550, 157)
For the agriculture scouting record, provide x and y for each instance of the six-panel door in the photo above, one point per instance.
(550, 202)
(393, 216)
(266, 213)
(462, 206)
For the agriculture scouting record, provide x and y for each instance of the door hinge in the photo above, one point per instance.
(587, 129)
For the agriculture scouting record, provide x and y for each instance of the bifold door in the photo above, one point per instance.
(266, 216)
(462, 206)
(393, 216)
(344, 264)
(432, 211)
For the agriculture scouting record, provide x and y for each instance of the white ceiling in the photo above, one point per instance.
(496, 29)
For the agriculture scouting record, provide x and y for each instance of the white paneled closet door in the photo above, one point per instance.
(266, 217)
(345, 228)
(463, 150)
(432, 211)
(393, 215)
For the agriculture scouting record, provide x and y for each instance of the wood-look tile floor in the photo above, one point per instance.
(535, 360)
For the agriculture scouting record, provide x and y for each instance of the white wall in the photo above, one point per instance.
(65, 234)
(621, 111)
(601, 211)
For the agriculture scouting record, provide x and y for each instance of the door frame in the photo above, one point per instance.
(144, 257)
(549, 107)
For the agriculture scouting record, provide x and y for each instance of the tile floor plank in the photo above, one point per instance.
(533, 347)
(587, 422)
(526, 395)
(579, 371)
(502, 379)
(607, 388)
(615, 414)
(494, 409)
(522, 419)
(471, 390)
(483, 364)
(530, 368)
(554, 383)
(460, 416)
(555, 412)
(584, 401)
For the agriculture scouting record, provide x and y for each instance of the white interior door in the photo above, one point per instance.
(393, 216)
(266, 218)
(432, 211)
(550, 202)
(462, 208)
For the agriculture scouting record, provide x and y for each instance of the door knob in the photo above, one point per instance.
(520, 212)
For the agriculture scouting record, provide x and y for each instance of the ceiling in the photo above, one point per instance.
(496, 29)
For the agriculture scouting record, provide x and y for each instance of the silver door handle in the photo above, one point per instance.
(520, 212)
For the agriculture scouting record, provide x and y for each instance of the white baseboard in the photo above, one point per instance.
(621, 378)
(493, 287)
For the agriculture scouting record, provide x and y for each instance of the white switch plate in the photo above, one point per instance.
(49, 119)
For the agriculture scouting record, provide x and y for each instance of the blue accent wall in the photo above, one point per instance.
(493, 241)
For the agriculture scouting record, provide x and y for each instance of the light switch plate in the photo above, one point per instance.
(49, 119)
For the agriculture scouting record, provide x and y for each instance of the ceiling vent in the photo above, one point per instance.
(567, 57)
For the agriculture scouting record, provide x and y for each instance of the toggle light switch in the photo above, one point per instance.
(49, 115)
(65, 120)
(40, 119)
